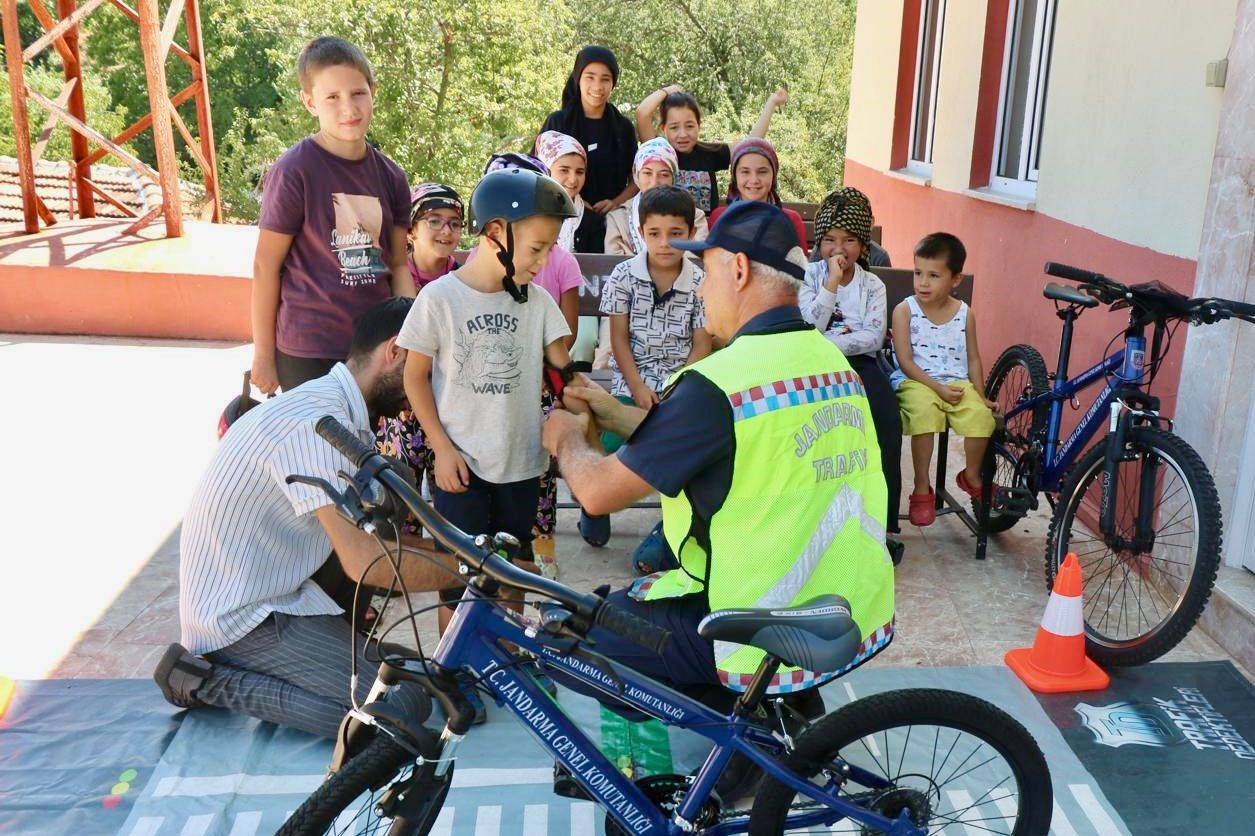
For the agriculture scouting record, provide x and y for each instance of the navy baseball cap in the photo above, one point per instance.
(760, 230)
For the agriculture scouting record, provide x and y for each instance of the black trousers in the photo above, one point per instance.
(887, 418)
(293, 371)
(488, 508)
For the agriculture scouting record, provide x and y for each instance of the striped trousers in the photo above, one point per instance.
(294, 670)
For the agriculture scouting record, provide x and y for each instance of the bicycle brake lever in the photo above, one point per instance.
(350, 510)
(317, 483)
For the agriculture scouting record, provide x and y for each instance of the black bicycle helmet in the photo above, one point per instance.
(511, 195)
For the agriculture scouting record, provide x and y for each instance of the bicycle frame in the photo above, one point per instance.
(474, 640)
(1057, 457)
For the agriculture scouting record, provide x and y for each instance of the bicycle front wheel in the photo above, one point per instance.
(947, 758)
(346, 803)
(1143, 590)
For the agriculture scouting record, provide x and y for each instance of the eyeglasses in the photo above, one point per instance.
(436, 223)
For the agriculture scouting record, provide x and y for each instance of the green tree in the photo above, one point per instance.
(731, 54)
(461, 79)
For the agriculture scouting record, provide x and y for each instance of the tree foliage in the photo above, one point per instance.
(461, 79)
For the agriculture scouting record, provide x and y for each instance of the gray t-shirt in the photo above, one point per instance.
(487, 358)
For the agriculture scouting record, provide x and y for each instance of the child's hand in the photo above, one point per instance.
(601, 207)
(673, 88)
(644, 397)
(993, 406)
(950, 393)
(837, 265)
(780, 98)
(452, 474)
(264, 375)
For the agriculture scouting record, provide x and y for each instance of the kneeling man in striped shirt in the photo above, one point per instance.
(259, 636)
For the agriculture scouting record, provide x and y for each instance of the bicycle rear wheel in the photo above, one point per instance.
(950, 759)
(1140, 598)
(1018, 374)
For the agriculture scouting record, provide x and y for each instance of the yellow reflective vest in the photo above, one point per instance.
(805, 513)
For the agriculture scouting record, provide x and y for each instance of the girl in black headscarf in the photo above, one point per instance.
(608, 136)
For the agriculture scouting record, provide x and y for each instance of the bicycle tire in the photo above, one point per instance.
(377, 764)
(1192, 598)
(890, 710)
(1011, 443)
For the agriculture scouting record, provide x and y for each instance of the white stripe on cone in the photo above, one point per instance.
(1064, 615)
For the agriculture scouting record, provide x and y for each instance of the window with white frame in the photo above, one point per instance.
(1026, 72)
(927, 74)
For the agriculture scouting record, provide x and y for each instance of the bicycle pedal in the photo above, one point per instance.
(565, 785)
(1012, 500)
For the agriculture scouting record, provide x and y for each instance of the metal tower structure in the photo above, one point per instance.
(156, 36)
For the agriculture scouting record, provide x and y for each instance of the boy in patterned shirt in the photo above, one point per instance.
(657, 325)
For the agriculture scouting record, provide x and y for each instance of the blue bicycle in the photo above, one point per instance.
(1139, 508)
(906, 762)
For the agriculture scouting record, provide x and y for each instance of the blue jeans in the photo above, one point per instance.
(687, 662)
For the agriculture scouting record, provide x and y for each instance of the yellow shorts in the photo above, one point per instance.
(923, 411)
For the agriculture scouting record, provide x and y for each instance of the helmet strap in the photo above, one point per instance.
(506, 256)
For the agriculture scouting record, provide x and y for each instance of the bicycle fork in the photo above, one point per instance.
(1122, 417)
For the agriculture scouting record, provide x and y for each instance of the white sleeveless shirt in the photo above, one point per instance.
(939, 350)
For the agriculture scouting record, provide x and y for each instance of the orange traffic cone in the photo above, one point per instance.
(1057, 662)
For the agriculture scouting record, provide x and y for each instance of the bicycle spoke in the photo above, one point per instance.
(972, 769)
(905, 744)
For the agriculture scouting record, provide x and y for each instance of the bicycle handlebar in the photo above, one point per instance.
(1156, 298)
(1075, 274)
(591, 608)
(633, 629)
(339, 437)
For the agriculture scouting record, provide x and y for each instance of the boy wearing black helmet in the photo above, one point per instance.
(477, 343)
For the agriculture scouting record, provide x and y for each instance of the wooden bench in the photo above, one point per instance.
(808, 212)
(899, 284)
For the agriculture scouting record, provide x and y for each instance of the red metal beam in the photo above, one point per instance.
(78, 108)
(110, 199)
(204, 118)
(46, 20)
(159, 106)
(21, 127)
(141, 125)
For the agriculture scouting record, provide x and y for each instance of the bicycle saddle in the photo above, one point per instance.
(818, 635)
(1071, 295)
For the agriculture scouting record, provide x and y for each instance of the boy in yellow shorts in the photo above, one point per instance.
(934, 337)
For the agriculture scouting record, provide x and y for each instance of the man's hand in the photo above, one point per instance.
(587, 396)
(560, 426)
(452, 474)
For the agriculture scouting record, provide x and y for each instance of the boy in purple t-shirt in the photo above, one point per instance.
(333, 226)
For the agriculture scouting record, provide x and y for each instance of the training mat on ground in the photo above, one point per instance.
(1170, 744)
(66, 745)
(74, 753)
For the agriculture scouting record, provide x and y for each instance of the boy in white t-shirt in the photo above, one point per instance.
(477, 343)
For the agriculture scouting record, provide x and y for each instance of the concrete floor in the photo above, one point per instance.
(107, 439)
